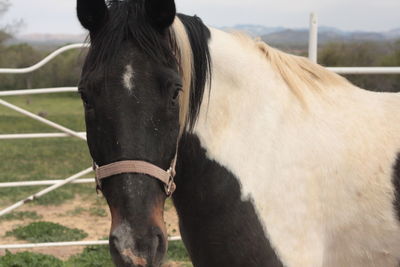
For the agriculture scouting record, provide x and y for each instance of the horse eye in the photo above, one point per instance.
(177, 93)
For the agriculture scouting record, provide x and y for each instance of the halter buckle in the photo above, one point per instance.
(170, 186)
(98, 182)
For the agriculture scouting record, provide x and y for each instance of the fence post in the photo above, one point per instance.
(313, 39)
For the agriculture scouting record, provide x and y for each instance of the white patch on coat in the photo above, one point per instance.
(320, 177)
(127, 77)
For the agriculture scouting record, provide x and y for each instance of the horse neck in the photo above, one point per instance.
(247, 96)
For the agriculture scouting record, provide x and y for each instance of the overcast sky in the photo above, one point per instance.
(58, 16)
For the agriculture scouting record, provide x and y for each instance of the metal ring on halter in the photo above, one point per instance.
(170, 186)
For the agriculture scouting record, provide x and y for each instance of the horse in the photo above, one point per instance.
(276, 160)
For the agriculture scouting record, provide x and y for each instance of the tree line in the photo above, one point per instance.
(65, 69)
(62, 71)
(365, 54)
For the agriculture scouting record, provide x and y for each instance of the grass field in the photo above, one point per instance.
(42, 159)
(47, 159)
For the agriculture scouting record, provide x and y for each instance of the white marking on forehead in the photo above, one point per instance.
(127, 77)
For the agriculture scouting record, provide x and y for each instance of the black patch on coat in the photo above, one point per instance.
(396, 183)
(217, 227)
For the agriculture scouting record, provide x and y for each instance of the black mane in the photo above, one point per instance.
(199, 35)
(127, 21)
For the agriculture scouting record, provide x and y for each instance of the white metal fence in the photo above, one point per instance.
(313, 52)
(66, 132)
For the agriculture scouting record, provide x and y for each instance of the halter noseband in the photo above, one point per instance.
(138, 166)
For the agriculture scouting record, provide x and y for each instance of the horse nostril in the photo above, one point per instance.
(113, 239)
(159, 245)
(116, 252)
(116, 243)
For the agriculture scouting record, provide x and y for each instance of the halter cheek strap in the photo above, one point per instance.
(138, 166)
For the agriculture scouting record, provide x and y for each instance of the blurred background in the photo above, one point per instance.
(351, 33)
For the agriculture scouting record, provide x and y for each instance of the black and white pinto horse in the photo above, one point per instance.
(280, 162)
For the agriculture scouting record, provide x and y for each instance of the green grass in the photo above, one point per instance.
(168, 204)
(97, 211)
(57, 197)
(39, 232)
(65, 109)
(177, 252)
(29, 259)
(42, 159)
(98, 256)
(21, 215)
(92, 256)
(75, 212)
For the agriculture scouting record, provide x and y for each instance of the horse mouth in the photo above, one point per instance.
(136, 261)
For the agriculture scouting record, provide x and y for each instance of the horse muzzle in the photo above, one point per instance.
(130, 249)
(138, 235)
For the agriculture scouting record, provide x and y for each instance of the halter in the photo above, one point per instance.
(138, 166)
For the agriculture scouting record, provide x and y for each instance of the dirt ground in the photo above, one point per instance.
(96, 227)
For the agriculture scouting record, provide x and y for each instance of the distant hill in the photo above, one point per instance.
(288, 37)
(395, 33)
(326, 35)
(272, 35)
(49, 39)
(253, 30)
(281, 35)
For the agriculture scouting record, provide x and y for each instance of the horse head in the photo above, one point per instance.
(131, 86)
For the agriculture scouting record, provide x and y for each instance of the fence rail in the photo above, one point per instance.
(44, 61)
(65, 132)
(37, 135)
(313, 53)
(67, 244)
(38, 91)
(46, 182)
(365, 70)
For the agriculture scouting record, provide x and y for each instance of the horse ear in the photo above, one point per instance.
(92, 13)
(161, 13)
